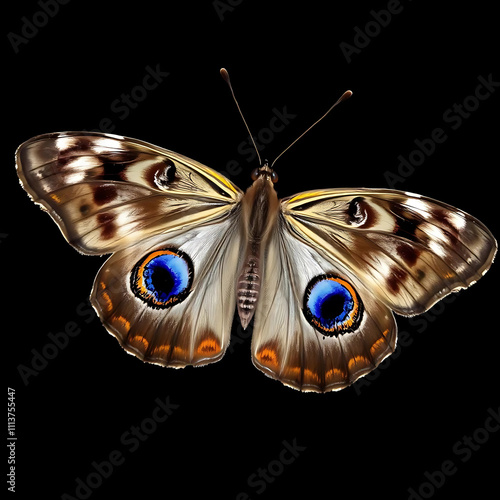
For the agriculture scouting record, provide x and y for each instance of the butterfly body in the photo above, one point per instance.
(260, 208)
(320, 272)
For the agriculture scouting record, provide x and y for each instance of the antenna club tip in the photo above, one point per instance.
(224, 74)
(347, 94)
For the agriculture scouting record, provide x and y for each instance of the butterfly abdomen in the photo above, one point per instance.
(248, 289)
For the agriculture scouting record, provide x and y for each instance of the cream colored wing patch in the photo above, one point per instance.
(317, 328)
(170, 300)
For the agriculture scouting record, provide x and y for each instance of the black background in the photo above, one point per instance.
(376, 439)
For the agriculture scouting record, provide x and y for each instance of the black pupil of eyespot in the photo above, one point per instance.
(162, 280)
(354, 208)
(170, 173)
(332, 306)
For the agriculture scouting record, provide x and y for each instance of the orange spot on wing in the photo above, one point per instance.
(311, 375)
(179, 350)
(160, 350)
(292, 371)
(380, 344)
(209, 345)
(334, 373)
(357, 360)
(139, 342)
(268, 355)
(123, 321)
(166, 351)
(105, 296)
(376, 346)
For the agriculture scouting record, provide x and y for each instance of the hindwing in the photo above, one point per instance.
(170, 300)
(335, 266)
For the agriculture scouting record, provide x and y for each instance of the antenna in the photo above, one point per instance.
(343, 97)
(225, 76)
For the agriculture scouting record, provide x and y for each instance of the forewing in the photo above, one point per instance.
(408, 250)
(171, 301)
(107, 192)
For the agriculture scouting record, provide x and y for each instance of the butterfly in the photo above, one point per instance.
(321, 273)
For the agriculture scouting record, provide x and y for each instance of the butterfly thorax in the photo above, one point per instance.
(259, 211)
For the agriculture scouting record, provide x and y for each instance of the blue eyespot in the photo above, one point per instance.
(163, 277)
(331, 305)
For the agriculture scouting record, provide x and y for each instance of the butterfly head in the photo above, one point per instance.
(265, 172)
